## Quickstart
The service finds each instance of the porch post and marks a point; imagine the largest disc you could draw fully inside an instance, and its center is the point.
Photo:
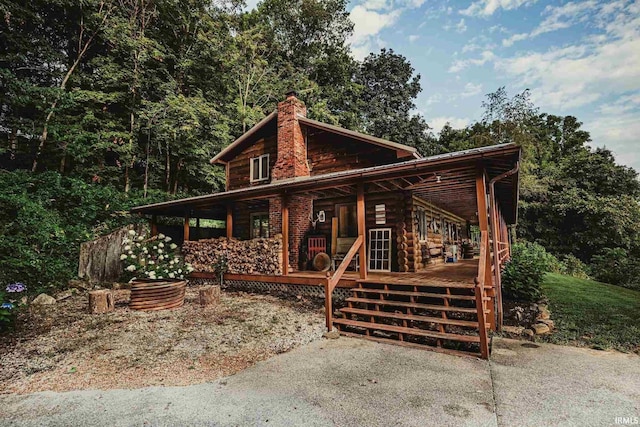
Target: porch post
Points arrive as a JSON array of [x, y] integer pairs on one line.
[[154, 225], [229, 221], [285, 236], [186, 228], [360, 210], [483, 222]]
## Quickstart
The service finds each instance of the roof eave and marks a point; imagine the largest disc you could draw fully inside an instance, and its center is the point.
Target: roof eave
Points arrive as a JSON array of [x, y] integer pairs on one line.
[[219, 158]]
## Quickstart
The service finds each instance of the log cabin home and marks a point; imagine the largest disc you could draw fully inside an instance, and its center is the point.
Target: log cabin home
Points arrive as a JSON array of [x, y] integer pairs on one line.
[[404, 248]]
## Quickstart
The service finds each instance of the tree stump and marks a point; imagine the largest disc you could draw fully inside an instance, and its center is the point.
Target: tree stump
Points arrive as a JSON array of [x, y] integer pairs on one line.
[[209, 295], [101, 301]]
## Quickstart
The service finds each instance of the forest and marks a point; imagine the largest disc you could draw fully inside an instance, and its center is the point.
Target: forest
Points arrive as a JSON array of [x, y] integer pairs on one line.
[[107, 104]]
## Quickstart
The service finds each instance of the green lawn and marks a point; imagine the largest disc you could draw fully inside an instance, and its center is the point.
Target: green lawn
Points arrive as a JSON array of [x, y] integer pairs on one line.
[[594, 314]]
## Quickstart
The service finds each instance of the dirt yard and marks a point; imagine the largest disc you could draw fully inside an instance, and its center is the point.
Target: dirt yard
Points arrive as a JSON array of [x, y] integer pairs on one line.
[[69, 349]]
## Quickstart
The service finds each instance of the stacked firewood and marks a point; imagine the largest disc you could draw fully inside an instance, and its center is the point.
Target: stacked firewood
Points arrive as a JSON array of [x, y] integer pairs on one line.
[[257, 256]]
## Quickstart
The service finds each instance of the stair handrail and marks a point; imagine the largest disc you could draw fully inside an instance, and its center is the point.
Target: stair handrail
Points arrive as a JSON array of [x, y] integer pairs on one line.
[[480, 294], [332, 281]]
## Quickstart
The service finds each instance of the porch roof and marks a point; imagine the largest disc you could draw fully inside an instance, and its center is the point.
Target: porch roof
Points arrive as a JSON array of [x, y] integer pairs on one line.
[[448, 180]]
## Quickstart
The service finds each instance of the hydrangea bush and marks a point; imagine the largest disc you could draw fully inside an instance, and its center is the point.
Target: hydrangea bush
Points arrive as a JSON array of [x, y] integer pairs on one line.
[[155, 257], [9, 303]]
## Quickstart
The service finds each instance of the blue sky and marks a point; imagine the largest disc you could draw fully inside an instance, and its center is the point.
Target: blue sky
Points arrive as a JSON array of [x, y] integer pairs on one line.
[[578, 58]]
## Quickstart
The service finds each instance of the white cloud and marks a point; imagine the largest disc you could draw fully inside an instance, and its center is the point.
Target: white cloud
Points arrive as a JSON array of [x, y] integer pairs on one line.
[[617, 128], [557, 18], [413, 37], [590, 70], [470, 90], [371, 17], [437, 123], [461, 64], [489, 7], [461, 27]]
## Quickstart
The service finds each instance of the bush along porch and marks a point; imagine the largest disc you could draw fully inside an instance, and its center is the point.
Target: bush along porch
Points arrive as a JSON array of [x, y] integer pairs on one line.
[[403, 248]]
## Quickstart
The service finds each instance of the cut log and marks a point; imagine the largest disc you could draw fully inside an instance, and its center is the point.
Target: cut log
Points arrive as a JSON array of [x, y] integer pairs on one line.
[[209, 295], [101, 301]]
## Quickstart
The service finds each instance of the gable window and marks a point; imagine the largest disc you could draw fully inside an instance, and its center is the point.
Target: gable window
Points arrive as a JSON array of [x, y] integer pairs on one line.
[[259, 168], [259, 225]]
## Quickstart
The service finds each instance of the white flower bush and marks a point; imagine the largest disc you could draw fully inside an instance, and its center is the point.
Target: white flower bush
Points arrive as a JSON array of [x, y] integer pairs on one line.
[[152, 257]]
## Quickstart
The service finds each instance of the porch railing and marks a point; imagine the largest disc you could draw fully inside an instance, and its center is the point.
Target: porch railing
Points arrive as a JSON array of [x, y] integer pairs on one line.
[[481, 300], [332, 281]]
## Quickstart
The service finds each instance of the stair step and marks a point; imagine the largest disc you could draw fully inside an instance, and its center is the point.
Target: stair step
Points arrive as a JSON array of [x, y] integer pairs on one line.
[[412, 317], [414, 294], [408, 331], [412, 305], [412, 345], [420, 283]]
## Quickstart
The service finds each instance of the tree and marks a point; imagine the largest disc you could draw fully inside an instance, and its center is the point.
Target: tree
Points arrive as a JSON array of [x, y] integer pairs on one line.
[[389, 88]]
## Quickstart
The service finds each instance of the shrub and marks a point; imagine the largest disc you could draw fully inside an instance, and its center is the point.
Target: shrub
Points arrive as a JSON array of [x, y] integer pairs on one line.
[[9, 303], [617, 267], [572, 266], [522, 275], [44, 217], [152, 258]]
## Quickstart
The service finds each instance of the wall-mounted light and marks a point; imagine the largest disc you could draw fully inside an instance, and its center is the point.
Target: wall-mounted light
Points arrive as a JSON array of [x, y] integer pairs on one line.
[[438, 178]]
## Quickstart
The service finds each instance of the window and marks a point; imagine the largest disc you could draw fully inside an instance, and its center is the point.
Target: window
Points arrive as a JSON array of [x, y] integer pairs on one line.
[[381, 215], [380, 249], [259, 168], [259, 225], [347, 220]]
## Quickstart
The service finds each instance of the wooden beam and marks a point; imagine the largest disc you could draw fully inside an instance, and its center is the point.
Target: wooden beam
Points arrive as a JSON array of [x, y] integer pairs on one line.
[[154, 225], [362, 231], [229, 221], [186, 228], [483, 222], [285, 236]]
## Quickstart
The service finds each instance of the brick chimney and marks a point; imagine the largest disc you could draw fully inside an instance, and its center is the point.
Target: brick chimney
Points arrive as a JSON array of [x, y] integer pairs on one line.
[[292, 150]]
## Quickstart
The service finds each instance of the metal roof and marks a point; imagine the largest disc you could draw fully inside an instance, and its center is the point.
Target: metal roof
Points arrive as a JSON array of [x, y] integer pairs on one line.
[[411, 174]]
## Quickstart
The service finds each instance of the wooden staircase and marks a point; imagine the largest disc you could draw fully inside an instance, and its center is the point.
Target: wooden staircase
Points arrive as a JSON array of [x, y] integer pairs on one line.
[[437, 316]]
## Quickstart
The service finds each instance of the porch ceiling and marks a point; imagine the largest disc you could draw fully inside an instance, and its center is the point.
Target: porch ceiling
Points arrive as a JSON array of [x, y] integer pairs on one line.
[[455, 192]]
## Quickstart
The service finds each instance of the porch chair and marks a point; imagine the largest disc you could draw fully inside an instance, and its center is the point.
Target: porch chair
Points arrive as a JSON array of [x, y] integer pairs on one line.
[[343, 244]]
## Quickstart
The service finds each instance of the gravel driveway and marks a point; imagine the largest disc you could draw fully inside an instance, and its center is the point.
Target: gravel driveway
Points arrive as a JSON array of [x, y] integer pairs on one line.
[[350, 382]]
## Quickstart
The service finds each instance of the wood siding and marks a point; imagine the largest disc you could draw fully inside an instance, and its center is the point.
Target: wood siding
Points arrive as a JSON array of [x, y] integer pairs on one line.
[[329, 153], [239, 168]]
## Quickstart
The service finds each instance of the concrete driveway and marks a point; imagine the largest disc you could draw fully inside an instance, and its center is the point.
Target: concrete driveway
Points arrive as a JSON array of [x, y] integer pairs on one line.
[[351, 382]]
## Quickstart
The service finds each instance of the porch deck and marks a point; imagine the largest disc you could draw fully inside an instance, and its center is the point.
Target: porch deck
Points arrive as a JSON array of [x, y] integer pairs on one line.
[[463, 272]]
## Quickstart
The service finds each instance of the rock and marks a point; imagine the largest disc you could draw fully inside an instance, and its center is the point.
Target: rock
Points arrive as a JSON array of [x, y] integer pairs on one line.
[[117, 286], [541, 329], [43, 299], [544, 314], [513, 330], [331, 335], [529, 333], [548, 322]]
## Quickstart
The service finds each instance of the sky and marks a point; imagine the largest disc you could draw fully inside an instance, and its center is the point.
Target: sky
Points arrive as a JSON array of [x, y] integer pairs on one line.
[[579, 58]]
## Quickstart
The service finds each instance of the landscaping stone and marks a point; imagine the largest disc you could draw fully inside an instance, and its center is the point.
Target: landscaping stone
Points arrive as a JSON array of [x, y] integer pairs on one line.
[[548, 322], [43, 300], [529, 333], [541, 329], [513, 330], [331, 335], [544, 314]]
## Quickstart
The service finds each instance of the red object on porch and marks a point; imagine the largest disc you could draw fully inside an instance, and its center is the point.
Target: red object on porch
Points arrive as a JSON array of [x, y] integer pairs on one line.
[[316, 244]]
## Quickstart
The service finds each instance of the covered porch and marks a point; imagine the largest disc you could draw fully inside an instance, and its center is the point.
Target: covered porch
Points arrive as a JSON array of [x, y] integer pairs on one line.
[[477, 186]]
